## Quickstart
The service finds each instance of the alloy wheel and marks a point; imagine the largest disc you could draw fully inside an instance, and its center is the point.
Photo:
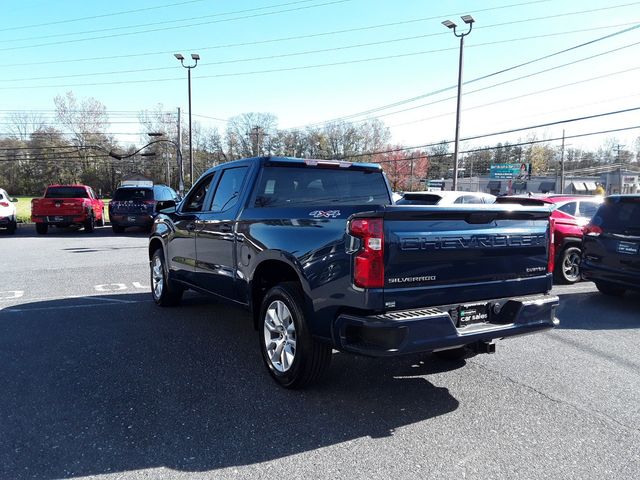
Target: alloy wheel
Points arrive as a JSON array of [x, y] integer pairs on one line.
[[280, 336], [157, 277]]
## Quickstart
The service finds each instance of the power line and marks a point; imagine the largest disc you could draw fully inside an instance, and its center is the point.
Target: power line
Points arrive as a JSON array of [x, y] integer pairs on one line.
[[274, 40], [442, 90], [152, 30], [93, 17]]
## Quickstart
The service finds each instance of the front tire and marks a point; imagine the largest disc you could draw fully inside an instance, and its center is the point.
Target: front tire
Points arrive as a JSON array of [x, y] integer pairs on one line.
[[163, 290], [42, 228], [610, 289], [117, 228], [90, 224], [292, 356], [568, 267]]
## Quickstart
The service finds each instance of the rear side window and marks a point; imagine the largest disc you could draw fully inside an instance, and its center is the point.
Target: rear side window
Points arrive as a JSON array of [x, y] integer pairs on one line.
[[473, 199], [132, 194], [568, 208], [587, 209], [228, 191], [66, 192], [293, 186], [619, 215]]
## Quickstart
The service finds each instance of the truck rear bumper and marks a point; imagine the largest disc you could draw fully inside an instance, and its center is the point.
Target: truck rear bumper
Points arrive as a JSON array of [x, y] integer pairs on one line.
[[438, 328]]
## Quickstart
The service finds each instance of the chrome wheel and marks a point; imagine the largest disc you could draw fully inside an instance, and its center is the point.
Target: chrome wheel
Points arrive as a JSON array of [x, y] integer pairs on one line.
[[571, 265], [157, 277], [279, 336]]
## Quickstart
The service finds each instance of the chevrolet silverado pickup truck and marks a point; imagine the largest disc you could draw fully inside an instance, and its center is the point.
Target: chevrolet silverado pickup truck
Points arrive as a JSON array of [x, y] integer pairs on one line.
[[322, 258], [67, 205]]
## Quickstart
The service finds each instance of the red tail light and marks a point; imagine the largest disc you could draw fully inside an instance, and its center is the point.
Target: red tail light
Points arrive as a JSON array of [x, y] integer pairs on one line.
[[552, 246], [4, 204], [368, 269], [591, 230]]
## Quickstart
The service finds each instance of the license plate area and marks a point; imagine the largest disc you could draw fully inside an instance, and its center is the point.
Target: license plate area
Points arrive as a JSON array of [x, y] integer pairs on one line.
[[472, 314], [131, 219], [57, 218], [629, 248]]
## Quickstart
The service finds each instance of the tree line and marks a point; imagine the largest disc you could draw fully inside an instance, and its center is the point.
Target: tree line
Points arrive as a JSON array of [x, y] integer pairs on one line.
[[75, 148]]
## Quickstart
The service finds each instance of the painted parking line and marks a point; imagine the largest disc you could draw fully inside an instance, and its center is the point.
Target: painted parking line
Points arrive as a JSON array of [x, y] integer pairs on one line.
[[118, 287]]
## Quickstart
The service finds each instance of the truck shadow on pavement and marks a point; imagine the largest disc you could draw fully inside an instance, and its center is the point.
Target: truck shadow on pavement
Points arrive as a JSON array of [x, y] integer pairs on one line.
[[598, 311], [29, 230], [98, 385]]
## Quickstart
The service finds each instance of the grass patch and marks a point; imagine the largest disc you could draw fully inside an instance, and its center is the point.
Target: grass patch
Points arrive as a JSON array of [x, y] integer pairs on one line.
[[23, 209]]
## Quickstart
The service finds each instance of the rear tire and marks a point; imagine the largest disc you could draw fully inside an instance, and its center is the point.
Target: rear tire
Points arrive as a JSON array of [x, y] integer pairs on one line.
[[11, 229], [610, 289], [567, 268], [90, 224], [292, 356], [42, 228], [164, 291], [117, 228]]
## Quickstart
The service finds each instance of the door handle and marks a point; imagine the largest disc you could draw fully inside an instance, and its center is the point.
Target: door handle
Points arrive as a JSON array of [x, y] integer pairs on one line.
[[191, 226]]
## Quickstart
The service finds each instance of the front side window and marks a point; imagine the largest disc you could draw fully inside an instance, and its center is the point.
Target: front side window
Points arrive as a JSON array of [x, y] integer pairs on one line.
[[228, 191], [195, 199]]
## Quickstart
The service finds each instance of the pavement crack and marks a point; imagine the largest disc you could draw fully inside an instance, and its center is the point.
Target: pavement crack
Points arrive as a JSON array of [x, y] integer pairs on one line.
[[560, 401]]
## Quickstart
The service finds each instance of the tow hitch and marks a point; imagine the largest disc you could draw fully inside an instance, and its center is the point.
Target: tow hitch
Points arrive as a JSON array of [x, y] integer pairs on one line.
[[483, 347]]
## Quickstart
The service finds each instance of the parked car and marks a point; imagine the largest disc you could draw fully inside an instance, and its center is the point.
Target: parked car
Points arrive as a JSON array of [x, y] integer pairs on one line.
[[8, 219], [320, 256], [445, 197], [570, 214], [135, 206], [611, 246], [67, 205]]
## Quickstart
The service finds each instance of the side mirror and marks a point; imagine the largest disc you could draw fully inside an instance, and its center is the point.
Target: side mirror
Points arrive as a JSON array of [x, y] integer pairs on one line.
[[14, 200], [166, 206]]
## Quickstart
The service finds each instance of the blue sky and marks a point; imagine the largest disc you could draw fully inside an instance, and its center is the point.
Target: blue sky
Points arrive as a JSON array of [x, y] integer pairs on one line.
[[375, 53]]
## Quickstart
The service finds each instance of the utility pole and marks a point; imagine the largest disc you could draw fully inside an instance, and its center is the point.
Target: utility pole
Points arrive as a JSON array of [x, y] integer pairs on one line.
[[256, 134], [562, 165]]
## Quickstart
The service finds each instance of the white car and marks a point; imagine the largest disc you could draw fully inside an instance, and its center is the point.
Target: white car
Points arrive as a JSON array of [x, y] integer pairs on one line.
[[7, 212], [445, 197]]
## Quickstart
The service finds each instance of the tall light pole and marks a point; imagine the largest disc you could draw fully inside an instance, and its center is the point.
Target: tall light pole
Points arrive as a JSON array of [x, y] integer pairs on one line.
[[195, 57], [468, 19]]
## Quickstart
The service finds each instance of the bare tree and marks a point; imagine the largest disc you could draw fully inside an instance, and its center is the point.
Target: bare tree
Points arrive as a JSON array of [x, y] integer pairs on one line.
[[23, 124]]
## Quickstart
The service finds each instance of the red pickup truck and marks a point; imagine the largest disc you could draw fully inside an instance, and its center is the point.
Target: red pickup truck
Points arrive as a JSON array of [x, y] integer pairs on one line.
[[66, 205]]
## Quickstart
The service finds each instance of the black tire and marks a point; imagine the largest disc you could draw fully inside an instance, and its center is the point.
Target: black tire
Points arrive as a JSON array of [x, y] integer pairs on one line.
[[611, 290], [117, 228], [11, 229], [567, 268], [42, 228], [90, 224], [310, 358], [452, 355], [169, 294]]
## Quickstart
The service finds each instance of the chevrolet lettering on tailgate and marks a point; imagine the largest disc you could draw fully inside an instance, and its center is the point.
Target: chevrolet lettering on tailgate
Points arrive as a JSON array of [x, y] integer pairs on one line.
[[461, 242]]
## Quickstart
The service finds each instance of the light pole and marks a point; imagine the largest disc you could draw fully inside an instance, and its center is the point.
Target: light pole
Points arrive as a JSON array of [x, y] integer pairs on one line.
[[195, 57], [468, 19]]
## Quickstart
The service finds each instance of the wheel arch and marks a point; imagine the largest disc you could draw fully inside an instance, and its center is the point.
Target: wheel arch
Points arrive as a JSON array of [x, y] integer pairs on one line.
[[269, 273]]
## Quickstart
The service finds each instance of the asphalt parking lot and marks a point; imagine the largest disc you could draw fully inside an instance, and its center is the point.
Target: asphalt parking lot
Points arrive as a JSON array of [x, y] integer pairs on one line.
[[95, 380]]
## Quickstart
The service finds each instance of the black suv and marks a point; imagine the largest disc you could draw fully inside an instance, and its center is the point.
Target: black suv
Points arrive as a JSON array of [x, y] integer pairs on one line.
[[135, 206], [611, 245]]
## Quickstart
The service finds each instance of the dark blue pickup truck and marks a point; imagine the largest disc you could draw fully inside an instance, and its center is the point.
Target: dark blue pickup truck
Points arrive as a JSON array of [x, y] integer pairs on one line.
[[323, 259]]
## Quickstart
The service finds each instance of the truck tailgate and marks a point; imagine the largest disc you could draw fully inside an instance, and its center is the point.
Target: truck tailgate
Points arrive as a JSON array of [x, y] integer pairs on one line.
[[445, 255], [58, 206]]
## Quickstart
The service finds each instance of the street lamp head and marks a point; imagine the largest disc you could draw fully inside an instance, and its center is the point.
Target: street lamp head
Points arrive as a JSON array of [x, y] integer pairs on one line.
[[155, 134], [468, 19], [195, 56], [449, 24], [178, 56], [148, 154]]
